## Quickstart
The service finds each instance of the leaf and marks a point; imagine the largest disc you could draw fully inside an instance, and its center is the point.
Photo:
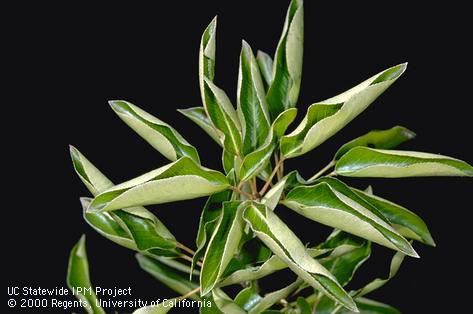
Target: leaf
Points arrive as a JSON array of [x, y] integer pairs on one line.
[[256, 161], [367, 306], [384, 139], [164, 138], [348, 254], [252, 108], [325, 118], [270, 266], [161, 308], [285, 244], [403, 220], [379, 282], [265, 64], [216, 103], [331, 207], [368, 162], [208, 220], [167, 275], [303, 306], [228, 161], [180, 180], [199, 117], [207, 56], [78, 277], [248, 298], [223, 116], [273, 297], [146, 234], [222, 245], [224, 303], [287, 69], [103, 222]]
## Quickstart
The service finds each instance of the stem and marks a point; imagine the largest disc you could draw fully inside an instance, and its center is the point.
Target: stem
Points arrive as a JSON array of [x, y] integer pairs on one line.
[[236, 189], [188, 294], [254, 189], [268, 182], [322, 171], [185, 248]]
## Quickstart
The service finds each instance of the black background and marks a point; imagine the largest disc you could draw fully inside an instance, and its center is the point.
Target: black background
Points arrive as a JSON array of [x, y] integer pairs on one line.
[[64, 62]]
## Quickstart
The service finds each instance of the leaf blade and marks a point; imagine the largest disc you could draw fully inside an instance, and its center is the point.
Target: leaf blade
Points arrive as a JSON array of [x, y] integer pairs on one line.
[[78, 276], [157, 133], [329, 206], [285, 244], [287, 69], [326, 118], [383, 139], [251, 107], [368, 162], [222, 245], [180, 180]]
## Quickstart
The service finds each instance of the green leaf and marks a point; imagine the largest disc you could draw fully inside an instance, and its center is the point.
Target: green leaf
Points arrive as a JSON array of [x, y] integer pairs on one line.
[[220, 303], [207, 56], [256, 161], [379, 282], [303, 306], [333, 207], [161, 308], [146, 234], [348, 254], [180, 180], [228, 161], [367, 306], [285, 244], [167, 275], [222, 245], [270, 266], [265, 63], [216, 103], [164, 138], [199, 117], [104, 223], [383, 139], [223, 116], [287, 70], [78, 277], [208, 220], [325, 118], [368, 162], [272, 197], [107, 226], [273, 297], [93, 179], [248, 298], [252, 108], [403, 220]]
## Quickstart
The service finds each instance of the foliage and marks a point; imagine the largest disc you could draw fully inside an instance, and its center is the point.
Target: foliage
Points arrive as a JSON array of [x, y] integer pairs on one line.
[[241, 238]]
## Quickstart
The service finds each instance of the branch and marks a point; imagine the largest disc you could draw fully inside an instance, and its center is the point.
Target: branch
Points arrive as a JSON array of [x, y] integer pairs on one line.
[[268, 182], [322, 171]]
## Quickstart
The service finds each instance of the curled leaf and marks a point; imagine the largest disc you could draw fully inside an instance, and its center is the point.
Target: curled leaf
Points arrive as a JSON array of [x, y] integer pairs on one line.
[[368, 162], [326, 205], [325, 118], [157, 133], [180, 180], [287, 69], [285, 244], [383, 139], [78, 277]]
